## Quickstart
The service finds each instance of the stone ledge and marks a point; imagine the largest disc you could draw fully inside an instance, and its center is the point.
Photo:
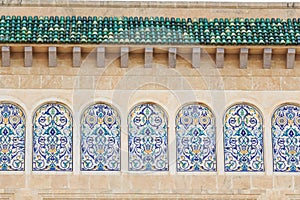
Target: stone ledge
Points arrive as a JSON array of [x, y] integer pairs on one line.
[[102, 196], [151, 4], [123, 52]]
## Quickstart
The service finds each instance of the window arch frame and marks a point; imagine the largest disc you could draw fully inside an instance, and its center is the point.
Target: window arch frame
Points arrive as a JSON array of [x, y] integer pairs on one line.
[[21, 108], [166, 130], [262, 138], [68, 108], [295, 104], [87, 107], [215, 133]]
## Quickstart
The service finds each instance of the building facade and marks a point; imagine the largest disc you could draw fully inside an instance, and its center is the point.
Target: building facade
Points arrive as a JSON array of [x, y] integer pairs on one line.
[[197, 118]]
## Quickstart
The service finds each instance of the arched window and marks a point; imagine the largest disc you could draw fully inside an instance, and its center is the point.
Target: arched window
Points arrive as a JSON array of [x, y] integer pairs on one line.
[[100, 138], [148, 138], [12, 137], [243, 139], [196, 139], [52, 138], [286, 139]]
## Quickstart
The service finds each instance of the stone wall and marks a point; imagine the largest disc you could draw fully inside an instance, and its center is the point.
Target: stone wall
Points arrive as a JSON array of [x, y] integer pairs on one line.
[[171, 88]]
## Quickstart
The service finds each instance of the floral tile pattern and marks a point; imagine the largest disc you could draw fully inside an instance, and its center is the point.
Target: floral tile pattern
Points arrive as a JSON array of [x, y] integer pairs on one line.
[[196, 139], [286, 139], [243, 139], [148, 138], [100, 138], [52, 138], [12, 137]]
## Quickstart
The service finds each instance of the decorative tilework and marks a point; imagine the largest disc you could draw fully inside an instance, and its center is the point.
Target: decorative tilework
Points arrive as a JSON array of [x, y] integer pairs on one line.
[[148, 138], [195, 137], [286, 139], [12, 137], [52, 138], [243, 139], [100, 139]]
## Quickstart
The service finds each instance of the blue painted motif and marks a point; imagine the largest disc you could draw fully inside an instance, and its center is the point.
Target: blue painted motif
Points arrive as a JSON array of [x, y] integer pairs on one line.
[[243, 139], [12, 137], [148, 138], [100, 139], [52, 138], [195, 137], [286, 139]]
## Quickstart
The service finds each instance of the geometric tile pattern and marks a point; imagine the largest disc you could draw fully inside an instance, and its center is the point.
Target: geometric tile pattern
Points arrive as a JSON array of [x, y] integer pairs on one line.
[[52, 138], [243, 139], [286, 139], [196, 139], [148, 138], [100, 138], [12, 137]]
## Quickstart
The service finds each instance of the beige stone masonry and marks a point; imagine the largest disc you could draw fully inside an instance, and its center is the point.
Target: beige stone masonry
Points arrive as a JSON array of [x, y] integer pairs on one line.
[[5, 56], [40, 73], [101, 57], [196, 57], [124, 57], [52, 56], [76, 56], [220, 57], [290, 58], [28, 56], [172, 57], [243, 58], [148, 57], [267, 58]]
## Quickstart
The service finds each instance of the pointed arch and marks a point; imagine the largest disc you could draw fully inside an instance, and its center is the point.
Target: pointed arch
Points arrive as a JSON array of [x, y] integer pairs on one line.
[[100, 130], [243, 139], [52, 138], [195, 138], [12, 137], [148, 138], [285, 130]]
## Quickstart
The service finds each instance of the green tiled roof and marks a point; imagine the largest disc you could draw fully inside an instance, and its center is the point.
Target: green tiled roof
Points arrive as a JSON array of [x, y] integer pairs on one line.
[[149, 30]]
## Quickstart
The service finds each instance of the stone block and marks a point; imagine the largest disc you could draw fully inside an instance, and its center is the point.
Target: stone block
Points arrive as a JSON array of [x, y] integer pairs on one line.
[[267, 58], [241, 182], [172, 57], [28, 56], [243, 58], [220, 57], [262, 182], [5, 56], [79, 182], [124, 57], [196, 57], [283, 182], [101, 57], [148, 57], [52, 56], [290, 58], [59, 182], [76, 56]]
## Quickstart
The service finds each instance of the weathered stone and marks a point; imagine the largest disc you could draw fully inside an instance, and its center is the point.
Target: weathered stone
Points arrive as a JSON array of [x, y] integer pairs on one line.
[[124, 57], [243, 58], [267, 58], [290, 58], [28, 56], [76, 56], [196, 57], [148, 57], [101, 57], [5, 56], [220, 57], [172, 57], [52, 56]]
